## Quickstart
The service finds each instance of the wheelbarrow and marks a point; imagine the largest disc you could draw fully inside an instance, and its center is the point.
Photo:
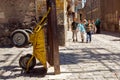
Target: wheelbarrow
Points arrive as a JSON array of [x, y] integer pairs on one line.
[[37, 38]]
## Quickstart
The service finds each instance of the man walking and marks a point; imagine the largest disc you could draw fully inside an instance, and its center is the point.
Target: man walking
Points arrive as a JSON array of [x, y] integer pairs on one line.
[[74, 30], [97, 24]]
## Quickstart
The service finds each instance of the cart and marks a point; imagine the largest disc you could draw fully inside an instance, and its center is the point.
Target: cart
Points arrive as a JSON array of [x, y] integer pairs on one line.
[[37, 38]]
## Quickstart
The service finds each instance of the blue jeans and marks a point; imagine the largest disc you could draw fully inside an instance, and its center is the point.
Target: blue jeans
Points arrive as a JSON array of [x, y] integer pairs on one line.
[[89, 38]]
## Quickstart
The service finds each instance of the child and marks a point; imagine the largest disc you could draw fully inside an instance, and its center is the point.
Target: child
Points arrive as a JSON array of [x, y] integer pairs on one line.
[[82, 31], [89, 31]]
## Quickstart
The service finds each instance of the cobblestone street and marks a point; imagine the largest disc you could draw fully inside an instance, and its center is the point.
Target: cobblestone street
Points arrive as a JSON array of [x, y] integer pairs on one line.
[[98, 60]]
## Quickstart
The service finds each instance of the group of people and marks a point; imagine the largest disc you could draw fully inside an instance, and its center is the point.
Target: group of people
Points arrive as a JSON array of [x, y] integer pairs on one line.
[[86, 28]]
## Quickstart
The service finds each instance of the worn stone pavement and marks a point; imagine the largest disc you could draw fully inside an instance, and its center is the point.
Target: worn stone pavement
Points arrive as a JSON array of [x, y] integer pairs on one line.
[[98, 60]]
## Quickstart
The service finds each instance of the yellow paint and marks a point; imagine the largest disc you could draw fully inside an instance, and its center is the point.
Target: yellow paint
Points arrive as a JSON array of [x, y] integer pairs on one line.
[[38, 41]]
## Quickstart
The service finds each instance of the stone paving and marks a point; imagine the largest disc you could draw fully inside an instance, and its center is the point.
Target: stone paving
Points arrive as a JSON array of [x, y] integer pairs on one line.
[[98, 60]]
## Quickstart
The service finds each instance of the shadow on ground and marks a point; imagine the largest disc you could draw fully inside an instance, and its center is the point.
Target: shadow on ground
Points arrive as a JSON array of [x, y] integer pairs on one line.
[[116, 40], [91, 54], [111, 33], [85, 55], [18, 72]]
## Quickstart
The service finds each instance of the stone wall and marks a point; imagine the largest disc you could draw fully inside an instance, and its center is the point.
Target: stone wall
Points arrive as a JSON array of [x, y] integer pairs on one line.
[[111, 15], [60, 21], [106, 10], [92, 9], [41, 4], [12, 14]]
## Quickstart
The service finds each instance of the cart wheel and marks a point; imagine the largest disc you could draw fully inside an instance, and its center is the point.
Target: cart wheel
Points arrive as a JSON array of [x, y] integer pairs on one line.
[[29, 31], [23, 62], [20, 38]]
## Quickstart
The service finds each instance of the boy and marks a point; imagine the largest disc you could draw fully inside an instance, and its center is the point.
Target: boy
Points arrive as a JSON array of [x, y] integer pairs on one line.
[[82, 31]]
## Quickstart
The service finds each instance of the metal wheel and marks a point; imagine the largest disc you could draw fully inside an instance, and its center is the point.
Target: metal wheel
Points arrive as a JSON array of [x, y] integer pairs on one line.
[[24, 60], [29, 31], [20, 38]]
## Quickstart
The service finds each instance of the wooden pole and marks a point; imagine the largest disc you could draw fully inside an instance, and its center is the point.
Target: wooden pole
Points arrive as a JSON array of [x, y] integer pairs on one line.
[[36, 9], [53, 36]]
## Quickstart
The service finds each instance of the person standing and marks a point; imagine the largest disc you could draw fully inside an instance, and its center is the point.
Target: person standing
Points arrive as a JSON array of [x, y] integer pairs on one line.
[[82, 30], [94, 29], [74, 30], [88, 30], [97, 24]]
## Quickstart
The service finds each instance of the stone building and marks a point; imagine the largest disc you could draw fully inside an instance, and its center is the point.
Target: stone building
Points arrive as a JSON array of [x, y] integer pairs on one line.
[[13, 13], [92, 9], [106, 10]]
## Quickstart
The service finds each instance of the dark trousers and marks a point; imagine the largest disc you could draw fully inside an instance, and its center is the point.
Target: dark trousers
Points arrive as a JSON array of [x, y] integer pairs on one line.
[[89, 36], [98, 29]]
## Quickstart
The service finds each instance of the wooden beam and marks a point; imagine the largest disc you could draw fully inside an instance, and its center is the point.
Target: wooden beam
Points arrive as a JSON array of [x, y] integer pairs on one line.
[[53, 35]]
